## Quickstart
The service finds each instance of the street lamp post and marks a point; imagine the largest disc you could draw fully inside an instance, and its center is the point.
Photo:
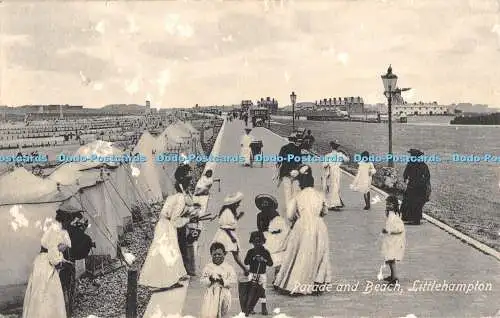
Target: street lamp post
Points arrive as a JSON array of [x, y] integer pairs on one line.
[[390, 81], [293, 99]]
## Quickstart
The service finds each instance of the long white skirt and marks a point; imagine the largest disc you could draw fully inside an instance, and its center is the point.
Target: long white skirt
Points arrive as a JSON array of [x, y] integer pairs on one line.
[[333, 191], [246, 152], [216, 302], [306, 259], [44, 295], [275, 243], [163, 266]]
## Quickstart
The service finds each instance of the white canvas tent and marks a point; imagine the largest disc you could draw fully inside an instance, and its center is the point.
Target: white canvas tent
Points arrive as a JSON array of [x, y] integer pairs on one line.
[[146, 173], [27, 207]]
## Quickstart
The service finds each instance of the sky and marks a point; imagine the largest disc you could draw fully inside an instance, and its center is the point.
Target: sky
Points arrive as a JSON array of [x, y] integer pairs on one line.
[[182, 53]]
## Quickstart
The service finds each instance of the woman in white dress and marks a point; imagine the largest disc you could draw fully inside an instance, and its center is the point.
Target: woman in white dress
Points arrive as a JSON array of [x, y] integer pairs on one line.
[[331, 177], [246, 151], [306, 260], [273, 226], [44, 295], [363, 180], [228, 224], [164, 267]]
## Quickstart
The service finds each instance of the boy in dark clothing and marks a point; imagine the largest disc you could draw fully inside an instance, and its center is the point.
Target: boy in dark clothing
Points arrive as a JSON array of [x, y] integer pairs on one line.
[[258, 258]]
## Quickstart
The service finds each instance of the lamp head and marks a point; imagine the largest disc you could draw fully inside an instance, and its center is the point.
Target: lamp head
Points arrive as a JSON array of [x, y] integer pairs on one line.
[[390, 80], [293, 97]]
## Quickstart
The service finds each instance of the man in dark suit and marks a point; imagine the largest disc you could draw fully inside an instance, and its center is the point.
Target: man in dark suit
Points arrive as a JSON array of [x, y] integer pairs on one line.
[[290, 154], [183, 174]]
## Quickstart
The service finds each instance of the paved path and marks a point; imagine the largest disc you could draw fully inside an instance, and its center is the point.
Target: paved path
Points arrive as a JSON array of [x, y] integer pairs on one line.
[[431, 254]]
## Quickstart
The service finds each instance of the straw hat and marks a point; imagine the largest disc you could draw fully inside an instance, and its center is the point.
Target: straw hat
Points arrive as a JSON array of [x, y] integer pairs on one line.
[[265, 200], [234, 198]]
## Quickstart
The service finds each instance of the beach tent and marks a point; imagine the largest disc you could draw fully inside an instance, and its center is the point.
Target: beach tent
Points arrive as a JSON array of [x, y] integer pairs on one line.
[[127, 186], [177, 138], [94, 198], [27, 207], [146, 173]]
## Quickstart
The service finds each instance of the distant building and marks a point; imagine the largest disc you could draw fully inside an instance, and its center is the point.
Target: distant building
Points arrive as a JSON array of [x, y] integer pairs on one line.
[[420, 108], [246, 105], [470, 108], [48, 108], [402, 108], [352, 105], [271, 104]]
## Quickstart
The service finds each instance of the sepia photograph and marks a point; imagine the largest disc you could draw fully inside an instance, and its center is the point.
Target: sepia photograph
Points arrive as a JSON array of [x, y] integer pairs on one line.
[[250, 158]]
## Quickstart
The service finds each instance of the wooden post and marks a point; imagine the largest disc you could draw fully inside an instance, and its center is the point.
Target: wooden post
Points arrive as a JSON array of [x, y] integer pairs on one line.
[[132, 294]]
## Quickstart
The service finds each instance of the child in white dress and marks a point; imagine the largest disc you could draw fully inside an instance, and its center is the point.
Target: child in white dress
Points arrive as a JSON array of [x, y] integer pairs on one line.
[[218, 276], [394, 241], [363, 180]]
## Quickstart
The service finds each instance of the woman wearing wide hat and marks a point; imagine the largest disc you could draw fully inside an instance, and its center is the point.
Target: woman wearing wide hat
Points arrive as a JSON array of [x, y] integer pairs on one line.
[[228, 223], [418, 188], [272, 225]]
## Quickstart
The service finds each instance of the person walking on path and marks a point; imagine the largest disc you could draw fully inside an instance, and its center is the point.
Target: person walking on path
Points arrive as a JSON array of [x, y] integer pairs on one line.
[[331, 177], [218, 276], [246, 151], [228, 223], [306, 261], [44, 295], [272, 225], [394, 241], [164, 266], [418, 189], [291, 156], [363, 180], [308, 141]]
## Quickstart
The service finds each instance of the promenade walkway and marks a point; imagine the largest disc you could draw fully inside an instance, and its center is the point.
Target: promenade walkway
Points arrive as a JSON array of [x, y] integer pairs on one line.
[[431, 254]]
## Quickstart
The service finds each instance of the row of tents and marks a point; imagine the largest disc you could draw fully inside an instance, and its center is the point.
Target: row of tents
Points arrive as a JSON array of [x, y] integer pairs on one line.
[[107, 193]]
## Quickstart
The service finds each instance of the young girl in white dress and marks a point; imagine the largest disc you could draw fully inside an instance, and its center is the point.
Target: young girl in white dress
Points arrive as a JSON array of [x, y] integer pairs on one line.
[[394, 241], [218, 276], [363, 179], [228, 224]]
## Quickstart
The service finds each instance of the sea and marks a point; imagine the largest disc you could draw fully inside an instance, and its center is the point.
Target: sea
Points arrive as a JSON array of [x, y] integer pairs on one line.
[[465, 195]]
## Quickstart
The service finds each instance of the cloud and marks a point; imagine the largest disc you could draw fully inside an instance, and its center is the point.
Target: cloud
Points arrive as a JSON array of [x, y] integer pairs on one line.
[[204, 46], [35, 58]]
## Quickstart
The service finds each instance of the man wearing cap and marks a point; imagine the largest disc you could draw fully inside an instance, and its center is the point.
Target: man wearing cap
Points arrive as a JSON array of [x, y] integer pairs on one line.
[[183, 174], [418, 188], [331, 176], [291, 160], [246, 151]]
